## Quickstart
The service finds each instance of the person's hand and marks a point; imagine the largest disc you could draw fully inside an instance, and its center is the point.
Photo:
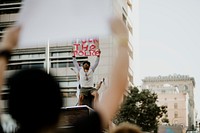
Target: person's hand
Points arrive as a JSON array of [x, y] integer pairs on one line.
[[8, 123], [10, 38], [96, 42], [99, 52]]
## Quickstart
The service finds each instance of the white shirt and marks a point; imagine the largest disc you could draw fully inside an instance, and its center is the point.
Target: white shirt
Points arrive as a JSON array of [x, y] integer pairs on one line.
[[86, 78]]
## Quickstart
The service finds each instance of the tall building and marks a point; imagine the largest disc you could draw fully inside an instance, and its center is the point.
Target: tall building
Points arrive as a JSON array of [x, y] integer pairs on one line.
[[57, 58], [177, 93]]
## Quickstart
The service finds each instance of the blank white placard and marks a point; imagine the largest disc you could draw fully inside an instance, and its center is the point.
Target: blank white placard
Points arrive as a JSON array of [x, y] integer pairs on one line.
[[63, 20]]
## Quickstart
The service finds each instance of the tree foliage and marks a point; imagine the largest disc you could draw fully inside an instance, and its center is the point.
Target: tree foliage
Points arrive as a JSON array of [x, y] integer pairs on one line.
[[140, 108]]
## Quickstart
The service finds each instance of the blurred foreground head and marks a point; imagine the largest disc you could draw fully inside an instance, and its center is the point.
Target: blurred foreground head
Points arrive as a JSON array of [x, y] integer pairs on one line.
[[34, 100], [126, 128]]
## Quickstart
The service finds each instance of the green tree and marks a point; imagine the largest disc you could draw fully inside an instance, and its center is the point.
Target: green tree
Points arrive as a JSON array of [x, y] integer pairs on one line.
[[140, 108]]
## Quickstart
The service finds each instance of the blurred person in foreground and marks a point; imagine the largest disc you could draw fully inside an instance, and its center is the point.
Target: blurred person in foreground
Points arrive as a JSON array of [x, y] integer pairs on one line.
[[29, 108], [126, 127], [107, 107], [34, 99]]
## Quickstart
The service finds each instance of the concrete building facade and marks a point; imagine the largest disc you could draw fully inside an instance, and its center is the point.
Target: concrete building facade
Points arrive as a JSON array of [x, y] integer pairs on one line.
[[57, 59], [177, 93]]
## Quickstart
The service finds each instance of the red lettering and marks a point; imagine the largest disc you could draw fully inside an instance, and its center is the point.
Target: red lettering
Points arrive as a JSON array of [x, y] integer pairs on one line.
[[81, 53], [92, 47], [84, 47], [83, 41], [97, 53], [87, 53], [90, 40], [75, 53], [76, 46], [92, 53]]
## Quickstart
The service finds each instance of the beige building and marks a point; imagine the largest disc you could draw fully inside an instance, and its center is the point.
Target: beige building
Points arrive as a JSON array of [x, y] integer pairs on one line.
[[57, 58], [177, 106], [177, 93]]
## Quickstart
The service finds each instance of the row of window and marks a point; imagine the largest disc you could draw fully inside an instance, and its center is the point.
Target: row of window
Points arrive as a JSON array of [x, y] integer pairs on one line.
[[22, 61], [41, 65], [41, 55], [69, 94], [175, 114], [170, 98], [175, 105], [25, 66]]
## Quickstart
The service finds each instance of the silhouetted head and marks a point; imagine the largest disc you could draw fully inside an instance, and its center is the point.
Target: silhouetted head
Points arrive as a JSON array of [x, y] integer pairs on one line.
[[34, 99], [86, 65]]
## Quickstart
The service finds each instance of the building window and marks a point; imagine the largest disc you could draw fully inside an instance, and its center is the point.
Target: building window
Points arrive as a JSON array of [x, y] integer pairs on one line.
[[15, 57], [163, 91], [35, 55], [175, 105], [22, 66], [54, 65], [41, 55], [13, 67], [69, 94], [35, 65], [124, 18], [64, 53], [70, 64], [68, 84], [54, 54], [24, 56], [176, 114], [62, 64]]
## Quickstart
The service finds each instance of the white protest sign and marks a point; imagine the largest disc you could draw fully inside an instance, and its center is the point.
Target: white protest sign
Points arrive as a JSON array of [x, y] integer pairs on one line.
[[89, 47], [63, 20]]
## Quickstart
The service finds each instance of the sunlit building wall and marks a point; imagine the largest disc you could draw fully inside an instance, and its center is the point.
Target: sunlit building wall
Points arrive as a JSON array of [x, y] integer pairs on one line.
[[177, 92]]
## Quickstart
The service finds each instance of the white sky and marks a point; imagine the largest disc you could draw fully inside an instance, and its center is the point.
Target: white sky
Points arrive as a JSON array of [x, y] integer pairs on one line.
[[169, 39]]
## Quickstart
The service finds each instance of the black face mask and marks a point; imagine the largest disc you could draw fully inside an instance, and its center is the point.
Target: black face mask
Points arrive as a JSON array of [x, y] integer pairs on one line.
[[86, 67]]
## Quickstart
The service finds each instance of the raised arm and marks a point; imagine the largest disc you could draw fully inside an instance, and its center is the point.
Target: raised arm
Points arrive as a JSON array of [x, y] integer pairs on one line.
[[112, 97], [95, 63], [76, 63], [9, 41], [93, 67]]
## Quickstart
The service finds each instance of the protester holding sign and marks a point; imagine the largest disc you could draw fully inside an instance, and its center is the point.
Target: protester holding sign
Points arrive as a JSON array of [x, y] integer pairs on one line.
[[85, 75]]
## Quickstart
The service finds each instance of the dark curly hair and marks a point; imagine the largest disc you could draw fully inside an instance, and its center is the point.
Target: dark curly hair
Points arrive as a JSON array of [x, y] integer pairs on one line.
[[86, 62], [34, 99]]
